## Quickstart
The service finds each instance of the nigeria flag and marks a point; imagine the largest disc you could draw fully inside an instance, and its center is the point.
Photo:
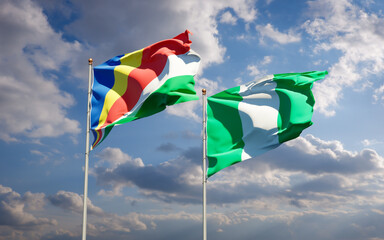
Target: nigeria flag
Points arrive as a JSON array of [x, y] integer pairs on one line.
[[248, 120]]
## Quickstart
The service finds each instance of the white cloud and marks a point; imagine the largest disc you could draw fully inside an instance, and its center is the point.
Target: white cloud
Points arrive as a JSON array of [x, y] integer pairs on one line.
[[253, 70], [173, 176], [266, 60], [13, 209], [200, 17], [268, 31], [33, 103], [228, 18], [329, 157], [104, 222], [210, 85], [115, 157], [73, 202], [358, 35], [34, 201], [313, 170], [186, 110]]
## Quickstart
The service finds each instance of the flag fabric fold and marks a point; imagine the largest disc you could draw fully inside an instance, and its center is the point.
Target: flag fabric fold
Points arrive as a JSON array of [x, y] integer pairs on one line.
[[142, 83], [246, 121]]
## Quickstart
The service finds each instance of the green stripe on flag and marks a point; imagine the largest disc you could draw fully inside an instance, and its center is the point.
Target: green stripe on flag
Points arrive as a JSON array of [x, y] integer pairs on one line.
[[175, 90], [225, 133], [296, 102]]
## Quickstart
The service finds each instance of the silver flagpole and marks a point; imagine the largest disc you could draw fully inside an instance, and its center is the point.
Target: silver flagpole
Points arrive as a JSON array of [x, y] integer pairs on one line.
[[204, 164], [90, 62]]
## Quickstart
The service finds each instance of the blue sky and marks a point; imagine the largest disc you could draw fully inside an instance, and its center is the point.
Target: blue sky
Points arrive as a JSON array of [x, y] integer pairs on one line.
[[145, 178]]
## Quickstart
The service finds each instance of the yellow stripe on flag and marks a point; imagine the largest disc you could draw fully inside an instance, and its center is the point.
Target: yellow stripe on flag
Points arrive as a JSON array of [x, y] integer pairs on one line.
[[129, 62]]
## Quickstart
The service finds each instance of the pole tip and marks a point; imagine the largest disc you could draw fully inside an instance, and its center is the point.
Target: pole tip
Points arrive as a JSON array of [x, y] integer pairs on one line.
[[90, 61], [204, 91]]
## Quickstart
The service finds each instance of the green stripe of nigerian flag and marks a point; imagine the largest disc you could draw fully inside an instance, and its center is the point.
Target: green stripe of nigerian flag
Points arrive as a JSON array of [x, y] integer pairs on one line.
[[248, 120]]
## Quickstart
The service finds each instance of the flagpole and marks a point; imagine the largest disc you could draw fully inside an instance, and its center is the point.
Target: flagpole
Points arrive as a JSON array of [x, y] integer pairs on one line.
[[84, 234], [204, 92]]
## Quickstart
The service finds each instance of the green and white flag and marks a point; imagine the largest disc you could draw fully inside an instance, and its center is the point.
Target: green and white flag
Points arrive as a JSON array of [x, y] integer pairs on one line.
[[246, 121]]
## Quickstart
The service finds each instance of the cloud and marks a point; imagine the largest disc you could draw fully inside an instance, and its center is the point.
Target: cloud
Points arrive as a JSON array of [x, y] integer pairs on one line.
[[267, 60], [254, 71], [267, 190], [198, 16], [316, 179], [73, 202], [109, 224], [30, 51], [13, 210], [159, 182], [268, 31], [228, 18], [104, 222], [304, 172], [357, 35], [317, 156], [310, 168], [168, 147], [186, 110]]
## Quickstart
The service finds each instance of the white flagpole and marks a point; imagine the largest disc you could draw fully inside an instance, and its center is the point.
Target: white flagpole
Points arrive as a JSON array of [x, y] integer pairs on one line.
[[204, 164], [84, 234]]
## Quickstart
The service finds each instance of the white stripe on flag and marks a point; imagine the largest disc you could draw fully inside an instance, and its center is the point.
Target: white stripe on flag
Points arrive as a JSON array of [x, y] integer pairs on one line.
[[177, 65], [259, 106]]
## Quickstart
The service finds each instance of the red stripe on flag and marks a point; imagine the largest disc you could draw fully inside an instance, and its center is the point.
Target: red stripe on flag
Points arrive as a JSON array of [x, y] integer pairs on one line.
[[153, 62]]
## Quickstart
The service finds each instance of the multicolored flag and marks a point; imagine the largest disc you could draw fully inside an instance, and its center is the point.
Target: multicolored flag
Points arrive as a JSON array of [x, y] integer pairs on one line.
[[142, 83], [246, 121]]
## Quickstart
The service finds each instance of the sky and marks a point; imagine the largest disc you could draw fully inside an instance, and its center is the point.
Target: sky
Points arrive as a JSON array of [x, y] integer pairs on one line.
[[145, 178]]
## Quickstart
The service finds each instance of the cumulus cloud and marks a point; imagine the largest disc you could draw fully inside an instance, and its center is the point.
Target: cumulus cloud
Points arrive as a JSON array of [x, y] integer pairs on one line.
[[319, 179], [198, 16], [307, 173], [301, 171], [358, 35], [159, 182], [34, 104], [14, 209], [304, 178], [104, 222], [317, 156], [73, 202]]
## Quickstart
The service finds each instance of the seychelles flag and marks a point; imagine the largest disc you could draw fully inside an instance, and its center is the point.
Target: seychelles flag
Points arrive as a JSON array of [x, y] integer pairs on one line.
[[142, 83]]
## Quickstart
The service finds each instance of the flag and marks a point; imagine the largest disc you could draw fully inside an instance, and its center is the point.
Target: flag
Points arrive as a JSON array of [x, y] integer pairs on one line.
[[248, 120], [142, 83]]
